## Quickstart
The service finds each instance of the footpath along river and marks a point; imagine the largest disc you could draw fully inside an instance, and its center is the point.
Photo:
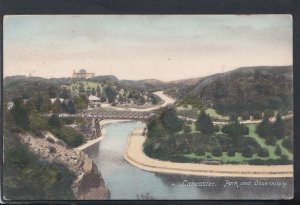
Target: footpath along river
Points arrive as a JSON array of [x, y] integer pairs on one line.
[[128, 182]]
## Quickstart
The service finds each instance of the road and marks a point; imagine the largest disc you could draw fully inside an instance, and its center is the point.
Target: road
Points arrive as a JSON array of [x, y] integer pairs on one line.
[[166, 100]]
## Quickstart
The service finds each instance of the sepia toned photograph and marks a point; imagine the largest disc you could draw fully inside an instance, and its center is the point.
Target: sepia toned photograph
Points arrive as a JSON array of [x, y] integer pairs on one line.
[[148, 107]]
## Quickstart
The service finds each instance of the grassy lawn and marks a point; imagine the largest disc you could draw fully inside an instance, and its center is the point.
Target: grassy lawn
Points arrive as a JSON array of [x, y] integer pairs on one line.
[[214, 114], [238, 158], [270, 148]]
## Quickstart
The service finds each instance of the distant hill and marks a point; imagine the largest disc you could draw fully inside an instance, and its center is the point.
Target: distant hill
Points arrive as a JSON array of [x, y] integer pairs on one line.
[[244, 89]]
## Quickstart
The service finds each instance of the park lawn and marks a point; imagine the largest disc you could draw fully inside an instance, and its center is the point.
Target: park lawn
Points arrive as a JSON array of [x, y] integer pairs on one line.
[[212, 112], [270, 148]]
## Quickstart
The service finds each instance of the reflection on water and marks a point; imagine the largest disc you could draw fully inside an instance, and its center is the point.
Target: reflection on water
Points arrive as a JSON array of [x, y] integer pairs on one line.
[[128, 182]]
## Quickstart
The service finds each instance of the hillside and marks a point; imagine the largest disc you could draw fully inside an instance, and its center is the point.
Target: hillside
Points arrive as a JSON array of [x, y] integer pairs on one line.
[[244, 89]]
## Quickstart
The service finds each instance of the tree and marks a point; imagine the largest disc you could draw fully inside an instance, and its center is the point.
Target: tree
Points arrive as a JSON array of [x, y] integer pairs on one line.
[[170, 120], [38, 102], [98, 90], [52, 93], [278, 127], [245, 116], [155, 129], [20, 114], [110, 94], [80, 102], [55, 121], [278, 150], [187, 129], [37, 121], [216, 151], [264, 129], [268, 113], [204, 123], [93, 91], [257, 116], [46, 105], [56, 106], [65, 93]]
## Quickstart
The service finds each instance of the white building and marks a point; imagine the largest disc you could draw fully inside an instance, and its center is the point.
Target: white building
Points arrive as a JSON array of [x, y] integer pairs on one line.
[[94, 101]]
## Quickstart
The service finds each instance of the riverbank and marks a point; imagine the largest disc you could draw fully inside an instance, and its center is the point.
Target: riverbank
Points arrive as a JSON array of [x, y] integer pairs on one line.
[[94, 141], [88, 183], [134, 155]]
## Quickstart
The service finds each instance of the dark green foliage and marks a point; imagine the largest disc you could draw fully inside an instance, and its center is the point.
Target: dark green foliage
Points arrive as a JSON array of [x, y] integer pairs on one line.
[[155, 129], [65, 93], [52, 93], [263, 152], [278, 127], [55, 122], [247, 152], [233, 118], [170, 120], [68, 107], [81, 102], [204, 124], [216, 151], [27, 178], [281, 161], [20, 115], [246, 89], [245, 116], [200, 151], [278, 150], [70, 136], [235, 129], [231, 152], [268, 113], [217, 128], [271, 140], [187, 129], [249, 142], [264, 129], [110, 94], [288, 143], [257, 115]]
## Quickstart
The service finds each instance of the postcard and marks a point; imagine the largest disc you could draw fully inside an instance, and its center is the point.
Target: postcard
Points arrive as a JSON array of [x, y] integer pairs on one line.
[[147, 107]]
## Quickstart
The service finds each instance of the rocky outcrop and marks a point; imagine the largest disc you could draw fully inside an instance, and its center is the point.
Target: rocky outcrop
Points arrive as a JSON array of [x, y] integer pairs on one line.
[[89, 184]]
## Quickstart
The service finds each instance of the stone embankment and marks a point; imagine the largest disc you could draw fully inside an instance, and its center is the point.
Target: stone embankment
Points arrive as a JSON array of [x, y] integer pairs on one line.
[[89, 184]]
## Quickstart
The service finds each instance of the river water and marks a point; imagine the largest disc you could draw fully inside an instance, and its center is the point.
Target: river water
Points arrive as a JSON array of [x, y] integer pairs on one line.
[[128, 182]]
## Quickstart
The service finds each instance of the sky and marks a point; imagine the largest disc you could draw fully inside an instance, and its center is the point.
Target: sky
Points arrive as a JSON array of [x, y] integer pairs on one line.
[[133, 47]]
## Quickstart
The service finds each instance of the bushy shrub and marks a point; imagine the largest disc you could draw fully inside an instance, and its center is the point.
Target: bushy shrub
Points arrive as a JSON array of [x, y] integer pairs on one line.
[[231, 152], [52, 149], [257, 116], [271, 140], [263, 152], [187, 129], [278, 150], [247, 152], [70, 136], [288, 143], [245, 116], [216, 151], [200, 151], [217, 128], [50, 140]]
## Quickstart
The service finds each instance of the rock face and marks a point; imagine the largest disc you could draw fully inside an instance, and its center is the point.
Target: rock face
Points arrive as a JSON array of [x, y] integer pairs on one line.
[[89, 184]]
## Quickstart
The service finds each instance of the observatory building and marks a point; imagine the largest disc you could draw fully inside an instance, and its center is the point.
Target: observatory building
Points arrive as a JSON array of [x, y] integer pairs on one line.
[[82, 74]]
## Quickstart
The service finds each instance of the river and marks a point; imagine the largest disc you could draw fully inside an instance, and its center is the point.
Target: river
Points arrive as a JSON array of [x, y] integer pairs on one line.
[[128, 182]]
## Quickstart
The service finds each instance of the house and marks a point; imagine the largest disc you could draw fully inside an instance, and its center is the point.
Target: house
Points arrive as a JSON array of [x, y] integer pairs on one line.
[[94, 101]]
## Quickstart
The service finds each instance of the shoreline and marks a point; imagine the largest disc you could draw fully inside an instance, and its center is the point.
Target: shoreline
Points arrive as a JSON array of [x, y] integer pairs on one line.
[[134, 155], [99, 139]]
